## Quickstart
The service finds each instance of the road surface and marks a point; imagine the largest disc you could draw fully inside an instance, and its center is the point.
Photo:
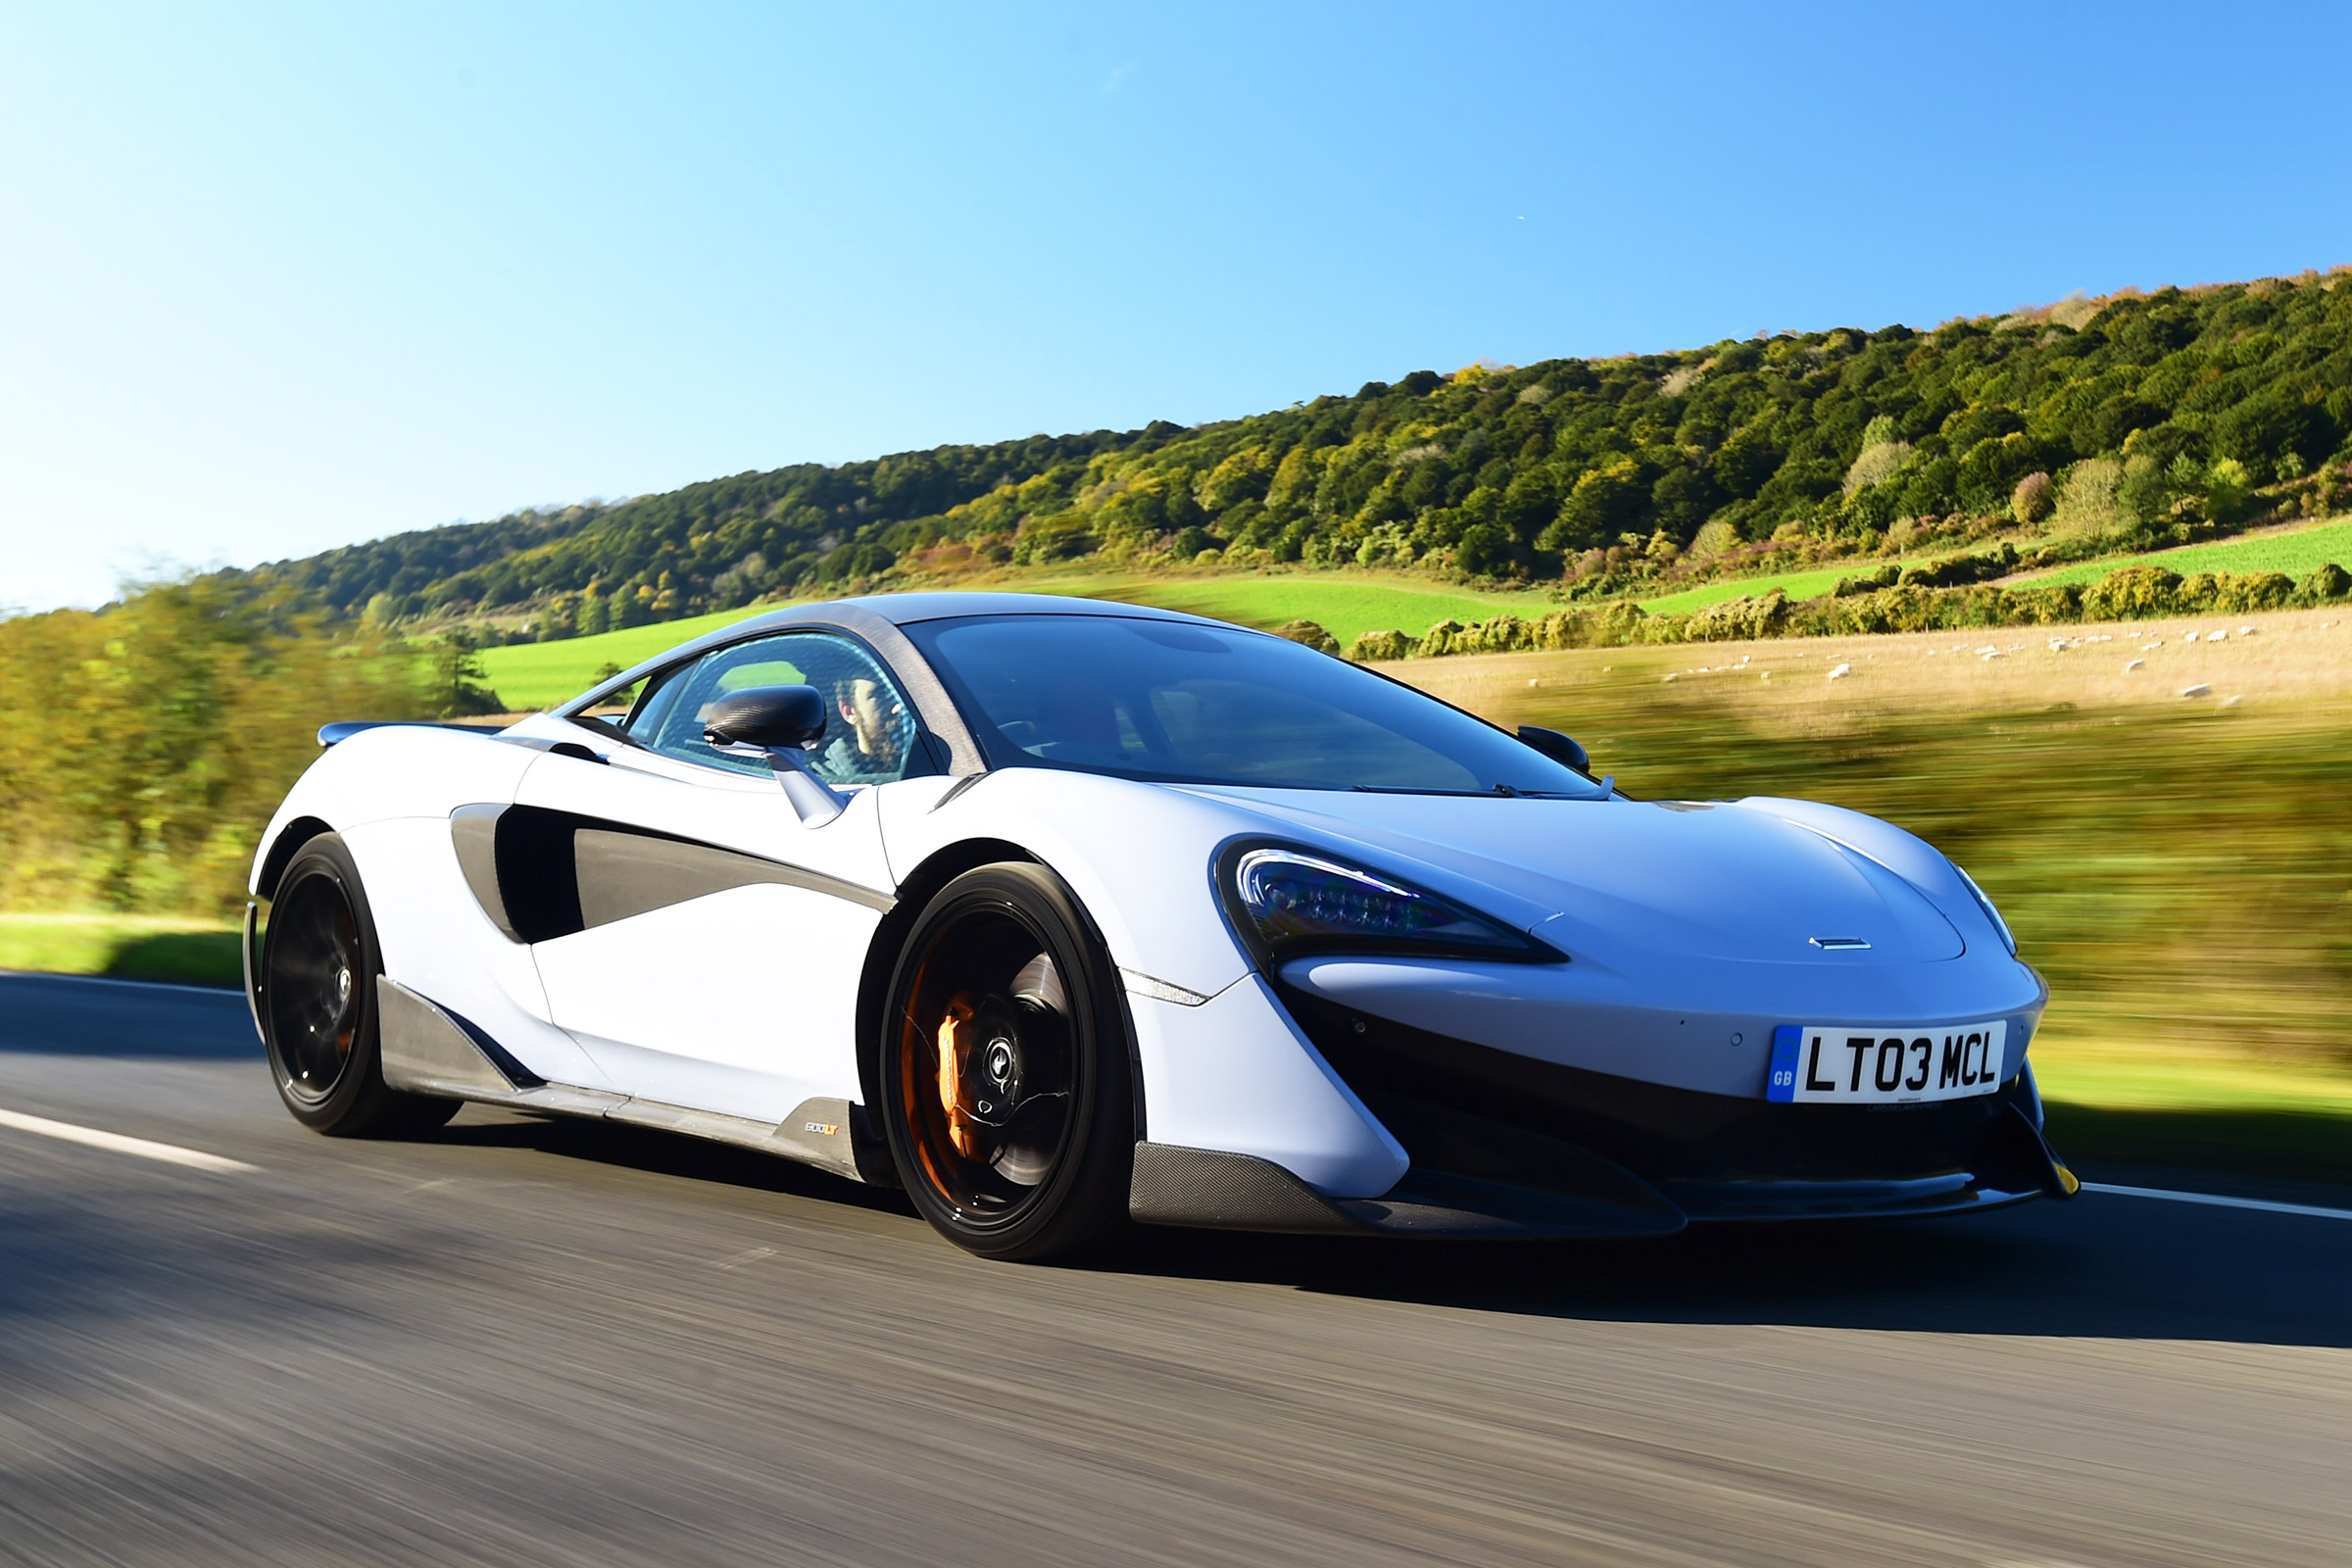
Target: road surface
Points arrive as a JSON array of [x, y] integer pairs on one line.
[[533, 1342]]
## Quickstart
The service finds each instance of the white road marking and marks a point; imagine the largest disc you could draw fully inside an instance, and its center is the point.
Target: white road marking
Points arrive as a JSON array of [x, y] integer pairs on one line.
[[115, 1143], [2216, 1201]]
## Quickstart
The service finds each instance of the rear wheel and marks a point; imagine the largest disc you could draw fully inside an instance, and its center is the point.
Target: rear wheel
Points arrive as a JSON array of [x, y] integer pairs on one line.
[[316, 1002], [1006, 1089]]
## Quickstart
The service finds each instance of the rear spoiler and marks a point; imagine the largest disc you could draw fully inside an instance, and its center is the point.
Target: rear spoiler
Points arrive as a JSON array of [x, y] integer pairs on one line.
[[345, 729]]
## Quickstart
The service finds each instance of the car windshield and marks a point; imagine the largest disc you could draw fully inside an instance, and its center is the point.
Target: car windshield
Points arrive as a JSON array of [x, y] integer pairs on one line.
[[1185, 703]]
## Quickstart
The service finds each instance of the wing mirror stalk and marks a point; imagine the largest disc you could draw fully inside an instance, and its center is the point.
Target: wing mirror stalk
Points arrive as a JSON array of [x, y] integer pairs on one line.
[[779, 724]]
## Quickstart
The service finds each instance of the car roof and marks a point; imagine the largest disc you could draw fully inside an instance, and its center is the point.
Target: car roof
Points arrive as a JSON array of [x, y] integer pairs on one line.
[[904, 610]]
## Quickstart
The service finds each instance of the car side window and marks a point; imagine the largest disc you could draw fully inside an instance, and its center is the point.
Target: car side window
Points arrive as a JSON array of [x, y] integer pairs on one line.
[[871, 732]]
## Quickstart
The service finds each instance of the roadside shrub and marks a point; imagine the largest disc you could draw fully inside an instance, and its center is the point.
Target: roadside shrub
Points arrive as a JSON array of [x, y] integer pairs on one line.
[[2328, 582], [1622, 621], [2255, 590], [150, 742], [1739, 619], [2198, 591], [1381, 647], [2132, 594], [1897, 609], [1310, 633], [2128, 593], [1441, 639], [2043, 607]]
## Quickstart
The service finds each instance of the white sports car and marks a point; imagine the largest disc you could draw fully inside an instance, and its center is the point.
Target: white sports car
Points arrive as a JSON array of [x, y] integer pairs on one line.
[[1057, 913]]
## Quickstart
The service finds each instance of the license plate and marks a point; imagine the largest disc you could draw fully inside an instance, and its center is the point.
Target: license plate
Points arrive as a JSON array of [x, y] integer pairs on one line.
[[1860, 1065]]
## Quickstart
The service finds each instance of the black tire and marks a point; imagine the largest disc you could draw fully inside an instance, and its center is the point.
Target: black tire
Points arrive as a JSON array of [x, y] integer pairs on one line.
[[1006, 1089], [314, 993]]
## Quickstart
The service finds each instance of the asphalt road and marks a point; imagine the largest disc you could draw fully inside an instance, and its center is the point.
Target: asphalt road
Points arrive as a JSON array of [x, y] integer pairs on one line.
[[535, 1342]]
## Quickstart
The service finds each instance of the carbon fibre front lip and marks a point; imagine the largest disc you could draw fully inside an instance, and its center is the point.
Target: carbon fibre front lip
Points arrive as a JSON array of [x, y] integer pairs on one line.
[[1467, 1110]]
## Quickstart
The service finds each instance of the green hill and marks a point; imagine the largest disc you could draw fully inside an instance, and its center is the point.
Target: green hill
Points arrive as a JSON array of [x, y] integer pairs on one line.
[[2152, 420]]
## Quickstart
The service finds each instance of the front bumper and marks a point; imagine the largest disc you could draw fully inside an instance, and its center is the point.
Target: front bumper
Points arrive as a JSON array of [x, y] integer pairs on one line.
[[1506, 1144]]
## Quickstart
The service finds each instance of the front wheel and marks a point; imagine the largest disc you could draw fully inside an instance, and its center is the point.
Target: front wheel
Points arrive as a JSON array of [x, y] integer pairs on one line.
[[316, 999], [1005, 1082]]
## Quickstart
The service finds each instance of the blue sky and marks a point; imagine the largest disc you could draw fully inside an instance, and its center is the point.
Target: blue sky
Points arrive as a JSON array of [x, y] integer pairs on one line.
[[275, 278]]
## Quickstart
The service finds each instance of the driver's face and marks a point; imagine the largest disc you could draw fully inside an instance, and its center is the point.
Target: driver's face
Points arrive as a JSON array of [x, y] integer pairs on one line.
[[869, 713]]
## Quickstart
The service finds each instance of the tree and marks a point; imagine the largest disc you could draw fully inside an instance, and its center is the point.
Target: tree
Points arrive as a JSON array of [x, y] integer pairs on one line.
[[1802, 436], [457, 691]]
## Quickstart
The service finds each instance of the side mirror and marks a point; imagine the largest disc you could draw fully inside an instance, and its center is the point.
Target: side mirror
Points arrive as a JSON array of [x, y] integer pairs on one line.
[[1557, 746], [771, 718], [781, 722]]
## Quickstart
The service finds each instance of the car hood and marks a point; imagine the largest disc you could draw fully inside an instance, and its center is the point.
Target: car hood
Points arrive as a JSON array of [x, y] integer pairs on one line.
[[1617, 876]]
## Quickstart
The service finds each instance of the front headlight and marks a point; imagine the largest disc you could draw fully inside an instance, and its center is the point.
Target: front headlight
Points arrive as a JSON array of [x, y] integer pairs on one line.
[[1289, 901], [1990, 914]]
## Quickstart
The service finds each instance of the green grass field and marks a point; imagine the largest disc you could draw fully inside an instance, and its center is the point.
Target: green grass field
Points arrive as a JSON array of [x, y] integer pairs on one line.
[[530, 675], [1346, 604], [1810, 584], [129, 946], [2294, 551]]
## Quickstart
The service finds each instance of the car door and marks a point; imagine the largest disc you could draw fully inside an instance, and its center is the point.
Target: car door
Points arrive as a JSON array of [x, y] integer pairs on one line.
[[714, 956]]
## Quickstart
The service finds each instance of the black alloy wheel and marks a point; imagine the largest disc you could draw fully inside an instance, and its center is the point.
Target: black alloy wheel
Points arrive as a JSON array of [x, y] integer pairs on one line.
[[316, 999], [1006, 1076]]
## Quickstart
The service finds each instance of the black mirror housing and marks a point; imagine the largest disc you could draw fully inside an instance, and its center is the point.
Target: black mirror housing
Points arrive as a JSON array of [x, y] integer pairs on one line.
[[772, 717], [1557, 746]]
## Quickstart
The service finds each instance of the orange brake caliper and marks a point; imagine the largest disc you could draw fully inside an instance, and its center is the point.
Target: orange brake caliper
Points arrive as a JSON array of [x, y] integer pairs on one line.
[[952, 1048]]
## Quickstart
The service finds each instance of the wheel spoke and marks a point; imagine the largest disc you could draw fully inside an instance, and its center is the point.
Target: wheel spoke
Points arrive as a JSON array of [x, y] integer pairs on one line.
[[314, 985], [988, 1035]]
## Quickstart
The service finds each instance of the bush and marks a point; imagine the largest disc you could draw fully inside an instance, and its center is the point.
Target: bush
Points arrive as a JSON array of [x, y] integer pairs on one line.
[[2256, 590], [2042, 607], [2328, 582], [2132, 594], [1310, 633], [2034, 499], [1739, 619], [150, 742], [2200, 590], [1381, 647], [1885, 576], [1442, 640]]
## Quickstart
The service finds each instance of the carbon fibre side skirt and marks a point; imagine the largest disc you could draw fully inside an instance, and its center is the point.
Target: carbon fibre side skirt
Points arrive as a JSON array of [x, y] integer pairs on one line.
[[428, 1050]]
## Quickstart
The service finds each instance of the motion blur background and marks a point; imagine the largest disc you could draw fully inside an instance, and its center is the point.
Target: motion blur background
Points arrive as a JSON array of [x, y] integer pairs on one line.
[[280, 278]]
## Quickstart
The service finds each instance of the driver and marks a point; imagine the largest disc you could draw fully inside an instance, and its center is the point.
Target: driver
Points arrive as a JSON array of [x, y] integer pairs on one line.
[[870, 751]]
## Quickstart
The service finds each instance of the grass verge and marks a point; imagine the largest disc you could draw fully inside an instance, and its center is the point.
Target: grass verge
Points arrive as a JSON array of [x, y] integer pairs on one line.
[[2294, 1145], [2247, 1117], [126, 946]]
